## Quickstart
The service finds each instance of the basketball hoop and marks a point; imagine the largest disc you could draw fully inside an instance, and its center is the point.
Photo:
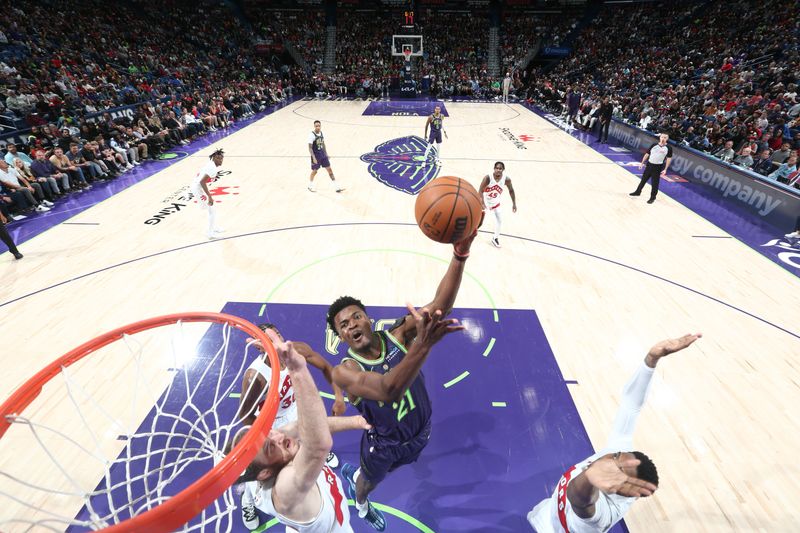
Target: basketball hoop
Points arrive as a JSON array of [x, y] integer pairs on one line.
[[140, 489]]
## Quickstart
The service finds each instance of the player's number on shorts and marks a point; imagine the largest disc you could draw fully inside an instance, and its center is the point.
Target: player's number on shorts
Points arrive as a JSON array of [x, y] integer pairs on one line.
[[403, 409]]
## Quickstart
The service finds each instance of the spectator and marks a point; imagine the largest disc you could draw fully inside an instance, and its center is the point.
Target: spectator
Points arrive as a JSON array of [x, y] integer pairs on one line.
[[745, 159], [763, 165], [725, 153], [12, 154], [780, 156], [12, 181], [63, 165], [43, 168], [49, 185], [785, 170]]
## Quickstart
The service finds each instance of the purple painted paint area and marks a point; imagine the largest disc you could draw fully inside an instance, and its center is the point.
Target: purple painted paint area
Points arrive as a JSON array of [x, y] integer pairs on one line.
[[78, 202], [753, 231], [485, 466], [404, 108]]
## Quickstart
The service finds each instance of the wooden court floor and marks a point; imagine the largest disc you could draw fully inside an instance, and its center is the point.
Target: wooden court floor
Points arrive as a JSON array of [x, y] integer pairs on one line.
[[608, 276]]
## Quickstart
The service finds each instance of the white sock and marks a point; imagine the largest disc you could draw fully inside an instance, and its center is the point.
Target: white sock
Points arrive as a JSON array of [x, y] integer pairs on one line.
[[427, 151], [212, 218], [361, 507], [438, 150]]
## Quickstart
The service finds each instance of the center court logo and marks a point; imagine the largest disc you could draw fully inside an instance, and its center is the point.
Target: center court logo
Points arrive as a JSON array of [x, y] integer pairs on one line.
[[401, 164]]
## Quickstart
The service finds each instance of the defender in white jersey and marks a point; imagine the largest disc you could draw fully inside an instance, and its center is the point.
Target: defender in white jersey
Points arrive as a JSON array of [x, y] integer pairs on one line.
[[291, 479], [254, 391], [199, 188], [491, 189], [596, 493]]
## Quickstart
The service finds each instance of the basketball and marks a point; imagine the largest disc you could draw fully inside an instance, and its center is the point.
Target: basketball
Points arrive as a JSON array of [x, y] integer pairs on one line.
[[448, 209]]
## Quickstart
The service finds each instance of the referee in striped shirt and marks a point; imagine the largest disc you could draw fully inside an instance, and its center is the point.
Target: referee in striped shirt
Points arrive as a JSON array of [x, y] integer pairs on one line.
[[657, 158]]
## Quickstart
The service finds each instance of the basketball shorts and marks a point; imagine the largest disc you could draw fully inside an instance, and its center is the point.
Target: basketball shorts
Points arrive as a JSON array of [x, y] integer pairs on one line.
[[435, 136], [322, 161], [379, 458]]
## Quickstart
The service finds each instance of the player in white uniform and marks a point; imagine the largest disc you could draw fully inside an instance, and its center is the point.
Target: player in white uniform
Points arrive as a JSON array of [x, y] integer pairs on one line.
[[291, 479], [199, 188], [596, 493], [491, 189], [254, 390], [506, 87]]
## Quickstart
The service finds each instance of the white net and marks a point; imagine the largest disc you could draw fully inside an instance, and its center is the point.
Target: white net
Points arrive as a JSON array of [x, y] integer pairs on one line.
[[124, 430]]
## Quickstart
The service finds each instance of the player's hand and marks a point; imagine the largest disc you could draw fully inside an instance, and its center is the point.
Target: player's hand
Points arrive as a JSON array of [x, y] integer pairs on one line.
[[663, 173], [287, 354], [669, 346], [210, 200], [432, 327], [339, 407], [607, 475], [3, 219], [641, 164], [361, 423]]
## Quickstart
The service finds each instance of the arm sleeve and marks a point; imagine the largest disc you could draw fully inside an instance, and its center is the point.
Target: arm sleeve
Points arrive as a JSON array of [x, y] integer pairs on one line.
[[633, 397], [651, 147], [669, 151]]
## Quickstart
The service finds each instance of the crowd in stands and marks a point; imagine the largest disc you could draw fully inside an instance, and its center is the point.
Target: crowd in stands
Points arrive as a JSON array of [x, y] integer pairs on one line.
[[187, 69], [720, 77], [521, 32]]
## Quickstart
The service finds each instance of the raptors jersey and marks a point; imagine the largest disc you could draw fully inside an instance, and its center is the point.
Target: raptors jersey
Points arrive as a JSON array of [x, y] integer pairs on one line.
[[333, 517], [492, 192], [287, 407]]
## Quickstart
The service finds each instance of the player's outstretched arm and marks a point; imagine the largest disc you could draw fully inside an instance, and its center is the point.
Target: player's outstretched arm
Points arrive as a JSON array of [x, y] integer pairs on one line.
[[607, 475], [296, 480], [336, 424], [391, 386], [446, 292], [253, 386], [635, 391], [316, 360]]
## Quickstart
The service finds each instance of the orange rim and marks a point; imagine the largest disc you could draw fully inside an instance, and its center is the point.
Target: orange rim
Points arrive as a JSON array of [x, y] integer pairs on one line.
[[187, 504]]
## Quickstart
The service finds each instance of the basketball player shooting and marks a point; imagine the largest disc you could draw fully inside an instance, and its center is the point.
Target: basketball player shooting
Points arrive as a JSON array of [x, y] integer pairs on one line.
[[382, 378], [254, 389], [491, 189], [291, 479], [596, 493], [199, 188], [436, 124]]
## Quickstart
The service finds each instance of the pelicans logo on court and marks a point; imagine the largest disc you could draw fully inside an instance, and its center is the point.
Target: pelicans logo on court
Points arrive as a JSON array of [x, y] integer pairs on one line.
[[401, 164]]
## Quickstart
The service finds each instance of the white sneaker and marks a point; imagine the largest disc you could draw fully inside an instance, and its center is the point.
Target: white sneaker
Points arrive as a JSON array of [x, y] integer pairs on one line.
[[793, 235], [41, 209], [332, 461], [18, 217], [496, 242], [339, 188], [311, 188], [249, 515], [47, 203]]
